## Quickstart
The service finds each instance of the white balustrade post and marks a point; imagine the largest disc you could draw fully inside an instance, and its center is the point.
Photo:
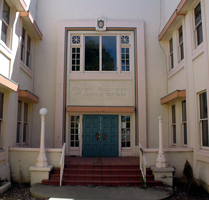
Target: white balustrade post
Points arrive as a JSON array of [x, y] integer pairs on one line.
[[161, 160], [41, 159]]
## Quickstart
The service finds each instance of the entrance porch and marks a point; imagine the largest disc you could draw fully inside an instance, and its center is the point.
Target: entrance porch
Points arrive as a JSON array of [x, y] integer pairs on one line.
[[101, 171]]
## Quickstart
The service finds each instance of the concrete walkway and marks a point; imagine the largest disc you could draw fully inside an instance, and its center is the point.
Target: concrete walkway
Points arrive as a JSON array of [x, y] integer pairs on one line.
[[97, 193]]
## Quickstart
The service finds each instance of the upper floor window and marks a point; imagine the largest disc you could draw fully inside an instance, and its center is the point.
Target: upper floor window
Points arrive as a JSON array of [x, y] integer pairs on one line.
[[198, 25], [1, 116], [100, 52], [204, 118], [26, 48], [5, 22], [171, 53], [181, 44]]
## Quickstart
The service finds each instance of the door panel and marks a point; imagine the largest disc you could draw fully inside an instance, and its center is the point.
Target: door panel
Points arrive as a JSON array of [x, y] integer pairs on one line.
[[106, 144], [91, 125]]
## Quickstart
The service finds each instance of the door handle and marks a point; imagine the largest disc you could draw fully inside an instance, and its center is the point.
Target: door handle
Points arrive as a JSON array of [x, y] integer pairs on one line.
[[97, 136], [104, 136]]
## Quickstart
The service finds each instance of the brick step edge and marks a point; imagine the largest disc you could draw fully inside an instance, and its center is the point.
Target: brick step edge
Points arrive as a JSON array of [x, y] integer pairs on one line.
[[101, 183]]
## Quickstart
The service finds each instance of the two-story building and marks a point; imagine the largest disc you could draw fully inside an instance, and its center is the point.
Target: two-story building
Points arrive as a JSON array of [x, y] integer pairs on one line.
[[105, 71]]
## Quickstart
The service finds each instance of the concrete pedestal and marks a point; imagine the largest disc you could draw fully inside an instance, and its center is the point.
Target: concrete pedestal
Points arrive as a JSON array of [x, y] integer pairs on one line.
[[163, 174], [39, 173]]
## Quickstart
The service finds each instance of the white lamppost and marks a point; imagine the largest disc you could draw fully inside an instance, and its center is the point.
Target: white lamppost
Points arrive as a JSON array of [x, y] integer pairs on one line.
[[41, 159], [161, 160]]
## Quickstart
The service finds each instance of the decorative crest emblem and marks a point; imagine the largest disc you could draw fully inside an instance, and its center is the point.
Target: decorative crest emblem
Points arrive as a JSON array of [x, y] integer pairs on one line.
[[101, 24]]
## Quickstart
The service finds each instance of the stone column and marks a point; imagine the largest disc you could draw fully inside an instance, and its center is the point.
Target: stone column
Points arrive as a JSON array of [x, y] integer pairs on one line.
[[41, 159], [161, 161]]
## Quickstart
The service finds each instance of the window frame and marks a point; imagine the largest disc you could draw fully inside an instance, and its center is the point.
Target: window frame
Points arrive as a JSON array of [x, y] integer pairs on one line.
[[79, 131], [81, 45], [184, 123], [1, 118], [196, 26], [173, 126], [22, 133], [25, 53], [171, 54], [7, 41], [181, 44], [201, 120], [125, 128]]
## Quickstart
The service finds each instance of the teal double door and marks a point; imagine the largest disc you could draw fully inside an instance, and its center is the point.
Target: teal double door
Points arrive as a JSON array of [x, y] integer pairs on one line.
[[100, 135]]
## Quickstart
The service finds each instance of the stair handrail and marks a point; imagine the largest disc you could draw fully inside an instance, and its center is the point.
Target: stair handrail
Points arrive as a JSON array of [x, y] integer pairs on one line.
[[142, 163], [62, 163]]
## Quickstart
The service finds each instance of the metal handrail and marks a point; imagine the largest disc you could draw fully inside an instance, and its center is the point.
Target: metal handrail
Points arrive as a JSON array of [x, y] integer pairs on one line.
[[62, 163], [142, 163]]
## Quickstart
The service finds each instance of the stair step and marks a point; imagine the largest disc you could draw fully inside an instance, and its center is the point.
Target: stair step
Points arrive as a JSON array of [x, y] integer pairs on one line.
[[101, 175], [77, 166], [100, 183]]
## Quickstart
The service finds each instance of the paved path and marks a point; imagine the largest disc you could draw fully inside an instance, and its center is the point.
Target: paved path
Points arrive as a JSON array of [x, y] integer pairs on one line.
[[95, 193]]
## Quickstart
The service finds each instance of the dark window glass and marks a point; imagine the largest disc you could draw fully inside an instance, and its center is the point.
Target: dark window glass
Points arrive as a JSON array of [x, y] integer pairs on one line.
[[28, 51], [204, 127], [184, 122], [92, 53], [203, 106], [19, 110], [171, 53], [204, 118], [4, 33], [1, 104], [6, 12], [198, 24], [199, 34], [181, 44], [174, 123], [109, 61], [197, 12], [173, 114]]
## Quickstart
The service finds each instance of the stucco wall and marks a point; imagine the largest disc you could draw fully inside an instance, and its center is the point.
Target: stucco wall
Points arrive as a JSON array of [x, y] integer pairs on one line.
[[175, 158], [46, 52], [22, 158]]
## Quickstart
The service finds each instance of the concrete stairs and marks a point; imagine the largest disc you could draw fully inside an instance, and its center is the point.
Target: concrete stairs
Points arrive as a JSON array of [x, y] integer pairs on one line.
[[100, 175]]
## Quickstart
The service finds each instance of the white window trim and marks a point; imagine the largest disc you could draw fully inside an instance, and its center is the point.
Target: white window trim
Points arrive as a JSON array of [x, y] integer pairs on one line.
[[25, 44], [195, 26], [22, 122], [171, 54], [180, 44], [173, 124], [79, 132], [119, 74], [200, 121], [1, 125], [182, 125], [8, 43]]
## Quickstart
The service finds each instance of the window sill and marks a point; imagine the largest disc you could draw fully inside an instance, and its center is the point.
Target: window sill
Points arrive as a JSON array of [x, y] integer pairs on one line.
[[2, 155], [176, 69], [26, 69], [5, 50], [101, 75], [199, 50], [203, 155]]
